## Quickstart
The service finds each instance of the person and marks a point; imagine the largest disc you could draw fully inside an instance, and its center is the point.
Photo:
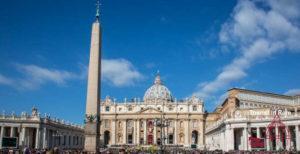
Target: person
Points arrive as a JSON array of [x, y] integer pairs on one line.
[[26, 150], [49, 151], [56, 150]]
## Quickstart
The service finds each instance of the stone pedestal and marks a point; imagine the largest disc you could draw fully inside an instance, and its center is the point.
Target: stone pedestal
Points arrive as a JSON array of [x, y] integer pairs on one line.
[[91, 137]]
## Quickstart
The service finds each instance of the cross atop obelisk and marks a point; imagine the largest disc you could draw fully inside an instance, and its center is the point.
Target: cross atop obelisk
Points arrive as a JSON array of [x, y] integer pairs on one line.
[[92, 116]]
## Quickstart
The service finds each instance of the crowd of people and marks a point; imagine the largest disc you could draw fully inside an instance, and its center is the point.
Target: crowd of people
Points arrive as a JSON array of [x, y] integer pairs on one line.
[[56, 150]]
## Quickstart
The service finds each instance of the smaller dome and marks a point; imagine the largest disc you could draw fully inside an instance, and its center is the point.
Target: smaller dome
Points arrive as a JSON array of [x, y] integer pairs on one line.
[[157, 91]]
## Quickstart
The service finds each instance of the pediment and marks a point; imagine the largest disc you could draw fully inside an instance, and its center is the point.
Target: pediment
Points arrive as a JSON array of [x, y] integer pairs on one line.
[[149, 110]]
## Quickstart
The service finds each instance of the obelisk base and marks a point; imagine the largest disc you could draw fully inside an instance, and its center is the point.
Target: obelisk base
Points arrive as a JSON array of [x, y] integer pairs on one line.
[[91, 142]]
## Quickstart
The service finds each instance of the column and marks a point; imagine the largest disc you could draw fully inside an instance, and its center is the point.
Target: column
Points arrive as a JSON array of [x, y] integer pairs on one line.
[[1, 135], [113, 132], [296, 111], [12, 132], [186, 133], [22, 136], [268, 139], [134, 132], [45, 141], [229, 137], [201, 134], [258, 132], [245, 137], [37, 138], [287, 138], [297, 138], [278, 141], [175, 133], [145, 131], [138, 131], [124, 132]]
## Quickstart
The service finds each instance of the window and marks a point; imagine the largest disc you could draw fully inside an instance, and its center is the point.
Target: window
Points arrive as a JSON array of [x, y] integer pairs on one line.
[[181, 108], [170, 139], [141, 140], [107, 108], [170, 109], [194, 108], [129, 108], [130, 139], [120, 109], [158, 108]]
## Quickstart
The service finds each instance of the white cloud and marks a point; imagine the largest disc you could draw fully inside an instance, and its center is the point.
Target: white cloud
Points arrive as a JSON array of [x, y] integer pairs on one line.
[[119, 72], [5, 81], [257, 33], [293, 92], [35, 76]]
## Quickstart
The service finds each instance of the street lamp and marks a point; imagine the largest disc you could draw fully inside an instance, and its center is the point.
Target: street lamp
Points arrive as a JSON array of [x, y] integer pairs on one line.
[[162, 123]]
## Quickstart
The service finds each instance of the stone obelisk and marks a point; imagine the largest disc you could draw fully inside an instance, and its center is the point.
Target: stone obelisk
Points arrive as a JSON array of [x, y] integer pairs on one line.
[[92, 117]]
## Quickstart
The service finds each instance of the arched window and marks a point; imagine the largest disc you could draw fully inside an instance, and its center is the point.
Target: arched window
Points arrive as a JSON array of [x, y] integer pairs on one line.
[[106, 137], [195, 137]]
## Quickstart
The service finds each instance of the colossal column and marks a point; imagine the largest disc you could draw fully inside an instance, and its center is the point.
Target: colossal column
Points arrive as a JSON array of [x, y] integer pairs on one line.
[[92, 116]]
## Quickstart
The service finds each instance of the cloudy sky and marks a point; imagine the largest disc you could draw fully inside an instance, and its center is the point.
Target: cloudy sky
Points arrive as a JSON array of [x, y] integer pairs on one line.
[[201, 48]]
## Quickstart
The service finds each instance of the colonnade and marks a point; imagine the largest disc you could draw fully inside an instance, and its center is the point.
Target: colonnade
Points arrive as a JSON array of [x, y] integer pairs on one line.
[[38, 138], [275, 141]]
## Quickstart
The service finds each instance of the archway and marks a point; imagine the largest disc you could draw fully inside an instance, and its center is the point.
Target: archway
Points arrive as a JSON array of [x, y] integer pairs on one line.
[[194, 137], [106, 137]]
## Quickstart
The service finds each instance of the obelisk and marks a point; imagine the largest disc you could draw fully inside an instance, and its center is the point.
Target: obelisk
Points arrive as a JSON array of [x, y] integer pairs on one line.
[[92, 117]]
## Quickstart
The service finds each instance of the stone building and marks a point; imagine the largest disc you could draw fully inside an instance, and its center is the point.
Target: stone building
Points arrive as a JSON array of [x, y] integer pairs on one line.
[[246, 114], [135, 122], [35, 131]]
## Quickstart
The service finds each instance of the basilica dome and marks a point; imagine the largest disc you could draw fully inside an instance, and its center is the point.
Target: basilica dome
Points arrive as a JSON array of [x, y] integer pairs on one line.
[[157, 92]]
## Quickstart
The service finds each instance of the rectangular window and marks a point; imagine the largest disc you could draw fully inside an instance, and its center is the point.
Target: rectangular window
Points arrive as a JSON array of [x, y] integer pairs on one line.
[[194, 108], [130, 139], [170, 139]]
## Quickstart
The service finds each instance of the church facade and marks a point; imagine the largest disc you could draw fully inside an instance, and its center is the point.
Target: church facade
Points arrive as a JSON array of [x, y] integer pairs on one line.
[[246, 120], [157, 118]]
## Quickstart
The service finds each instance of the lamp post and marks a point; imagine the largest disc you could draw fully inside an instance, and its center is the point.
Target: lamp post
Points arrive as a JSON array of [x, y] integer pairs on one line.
[[162, 123]]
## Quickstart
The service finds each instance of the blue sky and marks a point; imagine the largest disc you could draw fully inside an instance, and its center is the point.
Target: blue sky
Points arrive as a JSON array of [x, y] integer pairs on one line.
[[201, 48]]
